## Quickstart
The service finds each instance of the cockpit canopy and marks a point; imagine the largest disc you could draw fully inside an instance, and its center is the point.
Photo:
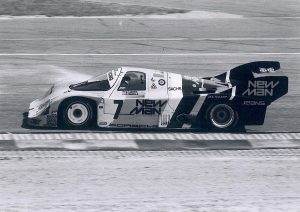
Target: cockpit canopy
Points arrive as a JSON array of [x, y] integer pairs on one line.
[[101, 84], [98, 83], [132, 80]]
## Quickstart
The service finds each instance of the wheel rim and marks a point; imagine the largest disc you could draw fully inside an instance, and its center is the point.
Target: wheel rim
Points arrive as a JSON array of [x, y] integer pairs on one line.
[[78, 113], [222, 116]]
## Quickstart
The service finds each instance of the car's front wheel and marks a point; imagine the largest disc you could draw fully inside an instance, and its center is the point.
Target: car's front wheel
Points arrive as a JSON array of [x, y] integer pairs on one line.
[[222, 117], [77, 114]]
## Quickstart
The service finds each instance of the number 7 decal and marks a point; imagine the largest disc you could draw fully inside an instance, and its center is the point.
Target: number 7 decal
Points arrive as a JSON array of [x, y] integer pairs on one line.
[[120, 104]]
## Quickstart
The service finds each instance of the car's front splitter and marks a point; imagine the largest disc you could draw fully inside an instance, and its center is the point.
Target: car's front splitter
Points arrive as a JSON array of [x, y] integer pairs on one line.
[[49, 120]]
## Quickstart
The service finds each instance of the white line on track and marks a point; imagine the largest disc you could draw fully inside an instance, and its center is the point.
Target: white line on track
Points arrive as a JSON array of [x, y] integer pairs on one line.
[[151, 54], [155, 39], [175, 16]]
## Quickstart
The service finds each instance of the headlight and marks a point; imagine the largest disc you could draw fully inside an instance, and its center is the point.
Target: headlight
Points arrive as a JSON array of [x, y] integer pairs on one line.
[[44, 105], [48, 92]]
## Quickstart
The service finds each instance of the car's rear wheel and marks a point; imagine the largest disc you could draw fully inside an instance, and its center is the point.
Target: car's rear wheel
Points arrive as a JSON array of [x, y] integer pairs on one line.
[[77, 114], [222, 117]]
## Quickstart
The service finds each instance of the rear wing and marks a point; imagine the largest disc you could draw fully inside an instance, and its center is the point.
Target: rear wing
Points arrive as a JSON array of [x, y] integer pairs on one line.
[[261, 80]]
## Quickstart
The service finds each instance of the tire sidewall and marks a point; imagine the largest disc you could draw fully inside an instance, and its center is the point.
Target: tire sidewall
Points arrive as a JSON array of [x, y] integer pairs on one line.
[[68, 123], [231, 126]]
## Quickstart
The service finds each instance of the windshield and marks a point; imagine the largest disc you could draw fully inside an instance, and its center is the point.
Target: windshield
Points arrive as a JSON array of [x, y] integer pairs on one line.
[[99, 83], [98, 78]]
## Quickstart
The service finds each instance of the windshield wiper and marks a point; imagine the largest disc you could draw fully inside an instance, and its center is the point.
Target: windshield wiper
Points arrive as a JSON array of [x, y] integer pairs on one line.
[[78, 84]]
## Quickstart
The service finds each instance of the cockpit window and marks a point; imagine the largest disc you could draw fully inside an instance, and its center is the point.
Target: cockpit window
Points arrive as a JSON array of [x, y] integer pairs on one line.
[[98, 84], [133, 80]]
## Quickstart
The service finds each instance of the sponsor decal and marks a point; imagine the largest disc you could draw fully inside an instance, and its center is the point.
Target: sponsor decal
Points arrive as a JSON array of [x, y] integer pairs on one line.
[[158, 74], [153, 86], [174, 89], [254, 103], [110, 76], [260, 88], [148, 107], [165, 119], [129, 93], [102, 123], [161, 82], [133, 125], [266, 70], [217, 97]]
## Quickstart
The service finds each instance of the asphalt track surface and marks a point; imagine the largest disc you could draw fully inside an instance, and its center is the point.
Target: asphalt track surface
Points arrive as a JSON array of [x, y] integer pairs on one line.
[[37, 52], [55, 181]]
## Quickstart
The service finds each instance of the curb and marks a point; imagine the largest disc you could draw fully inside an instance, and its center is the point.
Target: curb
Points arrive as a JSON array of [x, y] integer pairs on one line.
[[149, 136], [147, 141]]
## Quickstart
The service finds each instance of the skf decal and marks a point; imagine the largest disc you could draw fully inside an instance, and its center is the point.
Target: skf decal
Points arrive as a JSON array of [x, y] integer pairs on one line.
[[260, 88], [266, 70], [129, 93], [161, 82], [174, 88], [148, 107]]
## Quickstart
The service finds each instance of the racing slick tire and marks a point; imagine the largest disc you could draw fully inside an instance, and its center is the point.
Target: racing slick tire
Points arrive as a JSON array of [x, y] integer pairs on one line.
[[76, 114], [222, 117]]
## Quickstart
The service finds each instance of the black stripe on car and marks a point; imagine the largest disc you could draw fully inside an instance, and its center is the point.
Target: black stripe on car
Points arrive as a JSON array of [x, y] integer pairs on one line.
[[185, 106]]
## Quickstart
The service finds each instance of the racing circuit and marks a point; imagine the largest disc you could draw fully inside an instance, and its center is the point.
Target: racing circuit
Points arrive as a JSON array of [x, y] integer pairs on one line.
[[42, 51], [193, 170]]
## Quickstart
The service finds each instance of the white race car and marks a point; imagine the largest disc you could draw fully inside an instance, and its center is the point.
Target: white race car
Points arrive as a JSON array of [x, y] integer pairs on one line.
[[143, 98]]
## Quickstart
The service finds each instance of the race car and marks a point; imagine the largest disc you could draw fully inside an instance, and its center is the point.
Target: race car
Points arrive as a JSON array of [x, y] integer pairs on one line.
[[130, 97]]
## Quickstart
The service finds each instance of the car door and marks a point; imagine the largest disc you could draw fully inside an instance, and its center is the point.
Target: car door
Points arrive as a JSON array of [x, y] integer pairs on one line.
[[126, 101]]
